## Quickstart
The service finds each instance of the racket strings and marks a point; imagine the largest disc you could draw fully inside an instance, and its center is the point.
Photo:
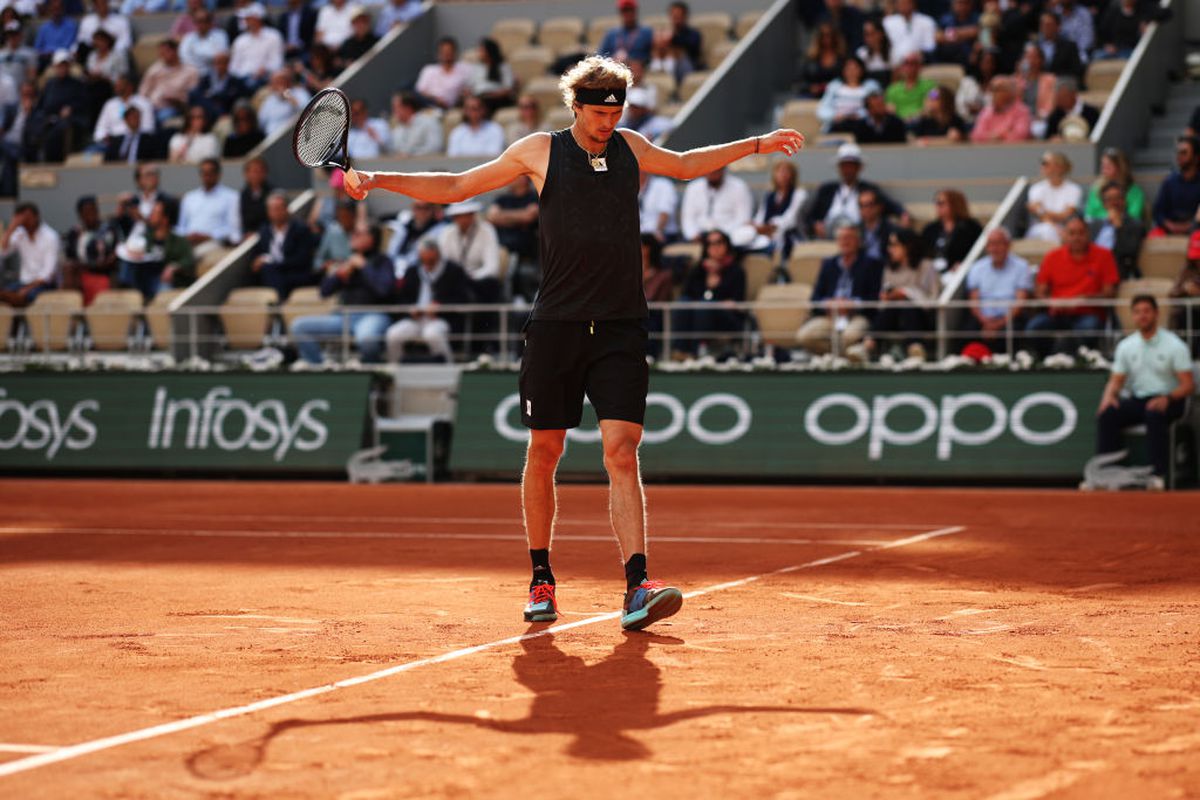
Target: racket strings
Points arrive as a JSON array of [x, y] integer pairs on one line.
[[321, 130]]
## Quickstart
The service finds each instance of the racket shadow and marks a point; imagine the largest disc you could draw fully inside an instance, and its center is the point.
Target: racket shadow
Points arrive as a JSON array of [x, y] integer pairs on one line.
[[609, 708]]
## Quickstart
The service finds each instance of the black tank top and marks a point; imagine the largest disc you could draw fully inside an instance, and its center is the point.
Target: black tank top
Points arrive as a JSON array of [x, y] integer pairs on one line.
[[589, 235]]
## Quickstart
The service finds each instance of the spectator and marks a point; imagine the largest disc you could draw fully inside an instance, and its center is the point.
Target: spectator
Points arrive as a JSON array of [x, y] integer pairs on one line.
[[443, 84], [848, 20], [823, 61], [1121, 26], [1052, 200], [907, 93], [368, 137], [146, 179], [246, 134], [1077, 26], [910, 31], [493, 80], [629, 40], [949, 238], [198, 47], [907, 293], [939, 120], [135, 146], [778, 216], [252, 199], [258, 51], [16, 133], [132, 7], [879, 125], [60, 118], [111, 122], [1119, 232], [1115, 168], [1068, 109], [335, 246], [36, 245], [875, 229], [408, 228], [413, 133], [297, 24], [476, 135], [365, 278], [283, 256], [428, 285], [685, 41], [529, 120], [658, 207], [1077, 271], [154, 257], [958, 32], [360, 41], [320, 71], [58, 32], [1157, 367], [656, 281], [837, 201], [209, 215], [185, 23], [474, 244], [1036, 87], [1005, 119], [639, 115], [284, 102], [102, 18], [1187, 287], [89, 256], [876, 52], [167, 82], [998, 284], [104, 65], [514, 215], [219, 89], [716, 201], [195, 142], [334, 24], [844, 100], [845, 281], [394, 13], [971, 97], [18, 61], [1179, 196], [1062, 55], [718, 281]]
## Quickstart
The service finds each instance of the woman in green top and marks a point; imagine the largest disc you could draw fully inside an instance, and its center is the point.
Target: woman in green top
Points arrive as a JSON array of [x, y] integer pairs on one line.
[[1114, 168]]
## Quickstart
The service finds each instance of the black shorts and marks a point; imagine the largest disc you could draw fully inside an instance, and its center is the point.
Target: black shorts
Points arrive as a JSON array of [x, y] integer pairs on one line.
[[564, 360]]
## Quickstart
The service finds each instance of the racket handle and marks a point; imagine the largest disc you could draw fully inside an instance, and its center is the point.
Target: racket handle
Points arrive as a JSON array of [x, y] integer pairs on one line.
[[351, 179]]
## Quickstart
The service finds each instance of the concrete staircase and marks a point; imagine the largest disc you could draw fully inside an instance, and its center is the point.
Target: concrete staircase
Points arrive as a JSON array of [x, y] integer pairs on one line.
[[1158, 152]]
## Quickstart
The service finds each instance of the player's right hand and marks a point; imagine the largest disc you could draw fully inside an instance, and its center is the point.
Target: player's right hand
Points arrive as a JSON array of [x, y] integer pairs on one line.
[[357, 184]]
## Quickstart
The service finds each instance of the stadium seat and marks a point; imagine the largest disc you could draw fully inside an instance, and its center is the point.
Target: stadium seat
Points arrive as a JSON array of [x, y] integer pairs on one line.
[[663, 85], [1102, 75], [719, 52], [544, 89], [1159, 288], [306, 301], [561, 34], [559, 117], [597, 27], [944, 74], [210, 259], [759, 268], [805, 261], [110, 317], [691, 84], [450, 119], [1097, 98], [801, 115], [530, 61], [779, 322], [745, 22], [1032, 250], [655, 22], [714, 27], [158, 319], [6, 323], [145, 51], [1163, 257], [51, 317], [513, 33], [245, 315], [506, 116], [681, 250]]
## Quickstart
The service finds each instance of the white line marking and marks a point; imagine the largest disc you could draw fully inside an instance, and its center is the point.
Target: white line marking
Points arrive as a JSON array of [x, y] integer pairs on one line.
[[109, 742], [26, 748], [438, 535]]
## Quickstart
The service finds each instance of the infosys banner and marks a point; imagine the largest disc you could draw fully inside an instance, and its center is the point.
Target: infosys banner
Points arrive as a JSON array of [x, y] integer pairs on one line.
[[245, 422], [814, 425]]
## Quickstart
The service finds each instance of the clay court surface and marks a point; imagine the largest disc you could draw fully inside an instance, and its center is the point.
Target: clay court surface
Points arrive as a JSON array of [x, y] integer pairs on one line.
[[161, 639]]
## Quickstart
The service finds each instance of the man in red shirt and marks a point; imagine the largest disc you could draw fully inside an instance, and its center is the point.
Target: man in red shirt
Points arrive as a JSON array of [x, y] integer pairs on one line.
[[1077, 271]]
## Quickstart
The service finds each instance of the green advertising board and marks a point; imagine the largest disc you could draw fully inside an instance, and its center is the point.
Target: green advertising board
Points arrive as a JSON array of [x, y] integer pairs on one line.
[[954, 425], [213, 421]]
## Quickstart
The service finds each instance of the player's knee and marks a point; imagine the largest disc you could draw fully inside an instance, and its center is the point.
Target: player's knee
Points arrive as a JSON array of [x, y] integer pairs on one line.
[[620, 454], [544, 452]]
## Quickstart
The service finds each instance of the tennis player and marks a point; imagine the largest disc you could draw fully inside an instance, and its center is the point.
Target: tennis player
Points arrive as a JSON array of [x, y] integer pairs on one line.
[[587, 331]]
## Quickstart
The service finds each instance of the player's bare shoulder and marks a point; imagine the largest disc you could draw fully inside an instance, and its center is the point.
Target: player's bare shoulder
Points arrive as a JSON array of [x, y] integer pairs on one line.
[[532, 152]]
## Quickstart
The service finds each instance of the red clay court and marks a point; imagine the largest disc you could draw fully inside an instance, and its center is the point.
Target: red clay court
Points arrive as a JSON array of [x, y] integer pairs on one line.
[[269, 640]]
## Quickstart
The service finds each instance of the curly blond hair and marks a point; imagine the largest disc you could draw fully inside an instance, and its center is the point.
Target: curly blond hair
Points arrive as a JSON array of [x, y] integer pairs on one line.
[[593, 72]]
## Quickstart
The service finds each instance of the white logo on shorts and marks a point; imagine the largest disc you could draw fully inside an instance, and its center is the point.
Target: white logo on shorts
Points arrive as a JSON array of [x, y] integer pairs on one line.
[[529, 408]]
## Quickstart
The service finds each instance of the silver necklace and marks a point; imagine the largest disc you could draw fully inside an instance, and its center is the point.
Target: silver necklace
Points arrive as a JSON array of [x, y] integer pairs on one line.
[[599, 162]]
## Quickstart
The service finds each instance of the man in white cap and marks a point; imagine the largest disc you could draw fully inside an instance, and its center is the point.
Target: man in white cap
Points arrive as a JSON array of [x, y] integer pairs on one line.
[[837, 201], [473, 243], [258, 51], [586, 334]]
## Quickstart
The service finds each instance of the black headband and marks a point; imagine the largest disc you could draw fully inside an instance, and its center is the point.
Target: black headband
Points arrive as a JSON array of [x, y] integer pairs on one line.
[[600, 97]]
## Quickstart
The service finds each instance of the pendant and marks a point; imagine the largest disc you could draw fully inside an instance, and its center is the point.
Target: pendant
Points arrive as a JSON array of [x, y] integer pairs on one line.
[[599, 164]]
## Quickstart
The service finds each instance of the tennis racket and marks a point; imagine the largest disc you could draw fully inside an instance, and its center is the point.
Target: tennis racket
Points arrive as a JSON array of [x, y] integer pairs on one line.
[[319, 139]]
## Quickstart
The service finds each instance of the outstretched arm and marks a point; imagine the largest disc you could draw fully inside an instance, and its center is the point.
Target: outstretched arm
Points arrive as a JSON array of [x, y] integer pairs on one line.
[[703, 160], [527, 156]]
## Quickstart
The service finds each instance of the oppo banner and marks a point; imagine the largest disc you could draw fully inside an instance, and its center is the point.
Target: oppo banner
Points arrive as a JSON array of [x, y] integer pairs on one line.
[[841, 425], [245, 422]]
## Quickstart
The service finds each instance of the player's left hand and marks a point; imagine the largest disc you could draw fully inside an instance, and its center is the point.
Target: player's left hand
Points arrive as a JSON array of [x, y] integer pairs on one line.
[[784, 140]]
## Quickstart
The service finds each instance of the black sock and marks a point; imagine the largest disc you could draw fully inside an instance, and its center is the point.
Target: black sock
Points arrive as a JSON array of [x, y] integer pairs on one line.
[[635, 570], [541, 566]]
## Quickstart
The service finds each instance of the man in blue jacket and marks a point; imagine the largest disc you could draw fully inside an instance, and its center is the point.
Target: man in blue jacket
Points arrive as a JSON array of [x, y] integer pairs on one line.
[[845, 282]]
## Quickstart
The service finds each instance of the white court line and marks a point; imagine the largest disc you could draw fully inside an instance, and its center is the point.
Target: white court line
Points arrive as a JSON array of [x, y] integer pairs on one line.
[[27, 748], [107, 743], [437, 535]]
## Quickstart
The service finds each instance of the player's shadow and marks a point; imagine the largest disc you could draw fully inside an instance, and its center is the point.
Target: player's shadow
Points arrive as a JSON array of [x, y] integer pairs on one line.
[[602, 706]]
